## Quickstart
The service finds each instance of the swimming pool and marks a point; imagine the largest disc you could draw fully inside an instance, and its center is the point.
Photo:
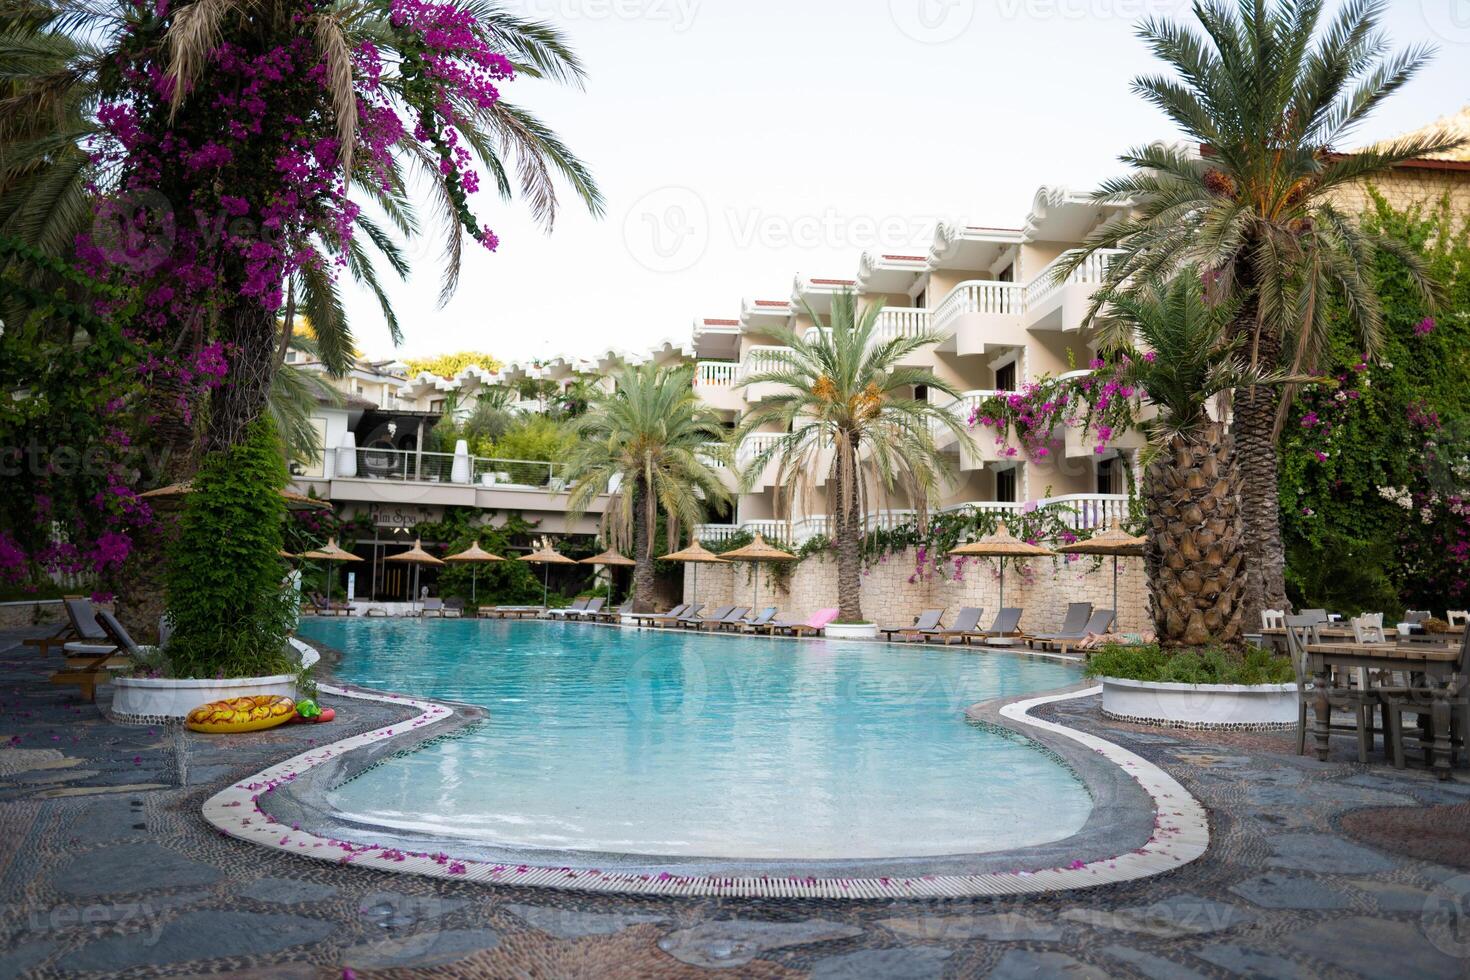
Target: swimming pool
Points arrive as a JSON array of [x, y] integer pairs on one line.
[[666, 743]]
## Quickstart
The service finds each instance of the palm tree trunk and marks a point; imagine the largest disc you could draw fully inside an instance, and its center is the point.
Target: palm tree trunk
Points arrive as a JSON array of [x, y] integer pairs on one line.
[[848, 525], [250, 331], [1255, 437], [643, 522], [1194, 556]]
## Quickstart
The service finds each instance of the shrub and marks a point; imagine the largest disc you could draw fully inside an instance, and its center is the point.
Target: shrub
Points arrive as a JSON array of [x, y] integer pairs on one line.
[[1211, 666], [229, 608]]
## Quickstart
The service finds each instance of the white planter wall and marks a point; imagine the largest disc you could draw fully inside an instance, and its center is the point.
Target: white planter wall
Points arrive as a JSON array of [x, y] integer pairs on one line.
[[851, 631], [1221, 706], [147, 700]]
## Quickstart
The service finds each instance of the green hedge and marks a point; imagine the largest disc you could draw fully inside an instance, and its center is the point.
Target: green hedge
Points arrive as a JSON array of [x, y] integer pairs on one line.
[[1149, 663]]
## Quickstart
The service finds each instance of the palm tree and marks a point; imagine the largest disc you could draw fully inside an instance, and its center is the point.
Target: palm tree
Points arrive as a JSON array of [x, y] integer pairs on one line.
[[1268, 100], [848, 411], [1195, 556], [647, 444], [56, 59]]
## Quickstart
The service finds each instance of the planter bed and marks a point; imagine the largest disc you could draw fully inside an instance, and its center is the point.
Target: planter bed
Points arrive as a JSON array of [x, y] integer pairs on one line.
[[1231, 707], [156, 701]]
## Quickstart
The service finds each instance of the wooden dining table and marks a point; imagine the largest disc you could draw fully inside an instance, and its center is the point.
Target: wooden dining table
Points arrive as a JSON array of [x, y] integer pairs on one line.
[[1437, 665]]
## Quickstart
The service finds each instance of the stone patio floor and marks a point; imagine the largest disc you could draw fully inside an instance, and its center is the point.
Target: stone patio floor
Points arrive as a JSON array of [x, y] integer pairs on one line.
[[108, 869]]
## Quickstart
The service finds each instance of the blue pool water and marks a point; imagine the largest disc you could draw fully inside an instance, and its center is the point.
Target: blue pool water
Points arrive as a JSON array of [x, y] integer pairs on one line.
[[672, 743]]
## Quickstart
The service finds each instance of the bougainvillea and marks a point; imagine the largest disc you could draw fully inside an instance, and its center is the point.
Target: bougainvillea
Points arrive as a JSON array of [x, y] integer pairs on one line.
[[231, 143], [1098, 402], [1376, 465]]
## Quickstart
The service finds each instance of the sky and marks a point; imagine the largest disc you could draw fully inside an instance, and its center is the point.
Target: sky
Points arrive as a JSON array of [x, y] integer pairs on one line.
[[740, 143]]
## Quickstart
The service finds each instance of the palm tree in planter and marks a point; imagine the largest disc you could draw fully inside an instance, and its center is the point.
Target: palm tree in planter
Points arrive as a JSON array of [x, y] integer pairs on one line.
[[1195, 555], [652, 446], [846, 410], [1266, 97]]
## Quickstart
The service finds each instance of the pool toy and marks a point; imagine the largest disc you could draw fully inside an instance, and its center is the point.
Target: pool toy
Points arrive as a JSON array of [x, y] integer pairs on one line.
[[247, 714], [327, 715], [308, 709]]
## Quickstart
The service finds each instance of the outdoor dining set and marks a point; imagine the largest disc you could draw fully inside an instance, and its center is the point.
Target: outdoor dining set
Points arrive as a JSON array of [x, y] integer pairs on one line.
[[1411, 683]]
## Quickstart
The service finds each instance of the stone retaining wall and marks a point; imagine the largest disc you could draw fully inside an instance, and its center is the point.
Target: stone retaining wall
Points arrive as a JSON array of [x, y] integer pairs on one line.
[[1043, 589], [14, 614]]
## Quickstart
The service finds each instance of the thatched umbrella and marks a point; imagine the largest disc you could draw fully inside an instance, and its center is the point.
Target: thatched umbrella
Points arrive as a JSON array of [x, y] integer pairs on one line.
[[1002, 544], [696, 554], [609, 559], [294, 501], [417, 557], [329, 554], [478, 556], [758, 551], [1114, 541], [546, 555]]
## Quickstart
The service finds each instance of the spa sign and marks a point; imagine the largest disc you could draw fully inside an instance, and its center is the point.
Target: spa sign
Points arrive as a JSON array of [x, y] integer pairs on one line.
[[397, 515]]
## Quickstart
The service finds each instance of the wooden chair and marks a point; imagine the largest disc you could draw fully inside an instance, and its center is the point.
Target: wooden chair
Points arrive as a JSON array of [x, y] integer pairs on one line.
[[1300, 632], [1449, 704], [1457, 617]]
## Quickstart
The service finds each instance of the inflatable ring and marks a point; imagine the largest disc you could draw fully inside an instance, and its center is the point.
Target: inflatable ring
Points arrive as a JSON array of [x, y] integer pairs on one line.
[[249, 714]]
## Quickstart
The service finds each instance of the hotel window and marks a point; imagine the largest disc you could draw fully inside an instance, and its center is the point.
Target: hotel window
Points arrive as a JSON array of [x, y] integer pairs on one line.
[[1008, 274], [1110, 475], [1005, 377], [921, 300], [1005, 485], [921, 393]]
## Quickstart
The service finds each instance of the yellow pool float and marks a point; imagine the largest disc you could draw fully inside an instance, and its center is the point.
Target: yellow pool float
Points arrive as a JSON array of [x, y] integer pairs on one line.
[[250, 714]]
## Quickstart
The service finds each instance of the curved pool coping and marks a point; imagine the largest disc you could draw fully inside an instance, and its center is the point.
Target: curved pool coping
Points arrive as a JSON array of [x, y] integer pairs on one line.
[[1143, 823]]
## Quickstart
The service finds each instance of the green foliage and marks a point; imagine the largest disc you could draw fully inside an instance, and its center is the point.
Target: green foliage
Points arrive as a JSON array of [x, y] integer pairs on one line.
[[496, 583], [531, 437], [1362, 458], [450, 365], [227, 605], [1147, 662]]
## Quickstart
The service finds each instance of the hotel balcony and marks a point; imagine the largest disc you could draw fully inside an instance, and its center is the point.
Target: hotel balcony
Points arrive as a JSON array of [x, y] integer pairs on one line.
[[750, 448], [396, 477], [717, 386], [982, 316], [759, 360], [1080, 511], [984, 445], [1053, 305]]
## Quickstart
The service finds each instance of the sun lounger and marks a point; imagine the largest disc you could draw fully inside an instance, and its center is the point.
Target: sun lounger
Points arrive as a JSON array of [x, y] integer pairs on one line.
[[814, 625], [734, 617], [1007, 623], [1100, 623], [87, 676], [693, 620], [589, 612], [615, 615], [81, 626], [965, 622], [453, 608], [660, 619], [1074, 623], [577, 606], [759, 622], [433, 607], [926, 620]]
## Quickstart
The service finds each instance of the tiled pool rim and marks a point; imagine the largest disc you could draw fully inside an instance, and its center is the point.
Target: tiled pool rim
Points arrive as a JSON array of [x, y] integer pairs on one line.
[[1180, 831]]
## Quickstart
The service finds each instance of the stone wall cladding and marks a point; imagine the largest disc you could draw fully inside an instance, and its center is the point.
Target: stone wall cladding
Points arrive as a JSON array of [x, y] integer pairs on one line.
[[890, 598], [1404, 189]]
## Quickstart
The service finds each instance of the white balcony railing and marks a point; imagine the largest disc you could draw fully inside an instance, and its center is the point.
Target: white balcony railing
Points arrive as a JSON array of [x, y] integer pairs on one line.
[[755, 444], [1084, 511], [901, 322], [979, 296], [716, 374], [758, 360], [1094, 269]]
